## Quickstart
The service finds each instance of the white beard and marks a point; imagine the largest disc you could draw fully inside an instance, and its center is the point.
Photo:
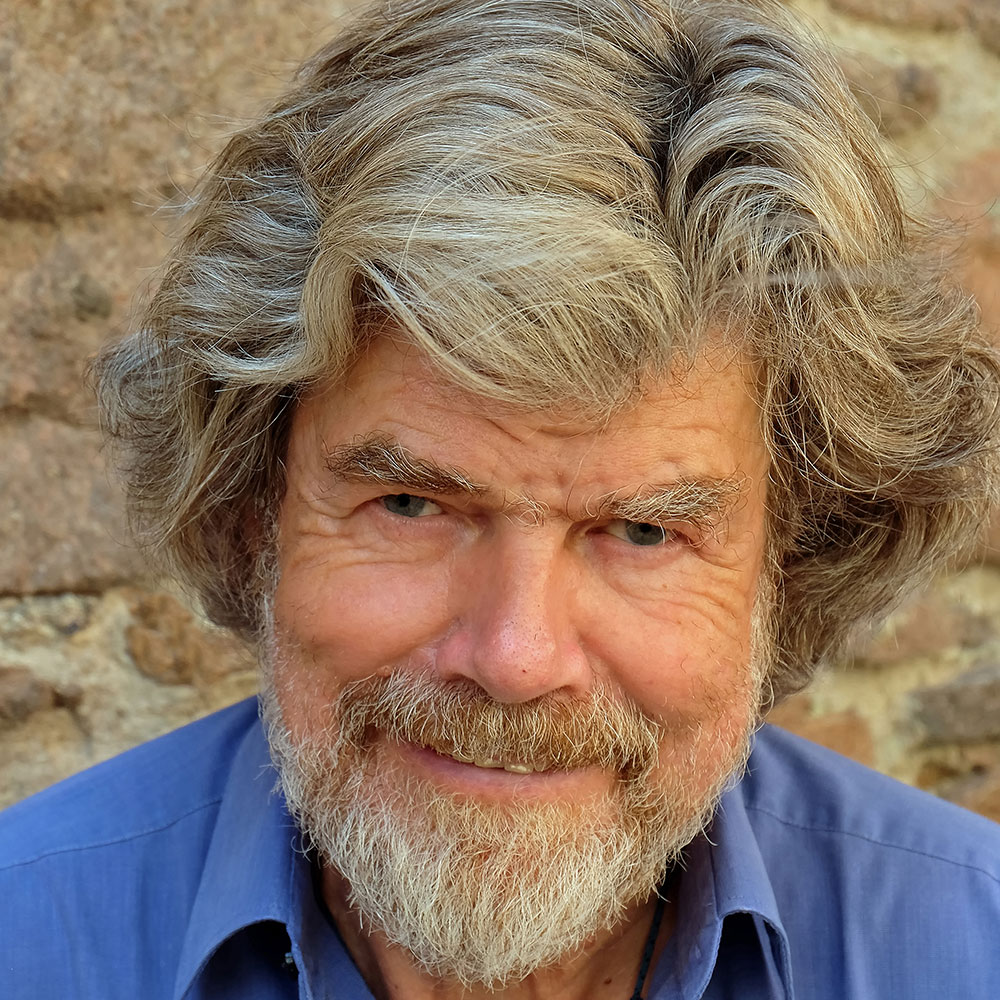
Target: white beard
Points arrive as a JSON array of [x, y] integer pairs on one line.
[[488, 892]]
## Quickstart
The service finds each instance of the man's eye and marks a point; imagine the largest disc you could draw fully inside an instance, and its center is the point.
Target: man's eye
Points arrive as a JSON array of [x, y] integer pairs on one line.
[[639, 532], [408, 505]]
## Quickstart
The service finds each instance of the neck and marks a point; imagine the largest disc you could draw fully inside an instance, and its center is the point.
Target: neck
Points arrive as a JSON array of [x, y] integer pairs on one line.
[[606, 968]]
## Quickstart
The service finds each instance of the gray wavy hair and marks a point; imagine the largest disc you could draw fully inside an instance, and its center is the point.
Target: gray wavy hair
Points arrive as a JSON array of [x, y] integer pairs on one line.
[[557, 199]]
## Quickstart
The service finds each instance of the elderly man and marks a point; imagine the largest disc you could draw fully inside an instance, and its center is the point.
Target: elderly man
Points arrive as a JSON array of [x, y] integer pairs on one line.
[[545, 388]]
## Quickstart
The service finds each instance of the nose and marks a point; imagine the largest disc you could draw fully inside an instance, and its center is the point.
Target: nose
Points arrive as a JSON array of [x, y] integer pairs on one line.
[[514, 635]]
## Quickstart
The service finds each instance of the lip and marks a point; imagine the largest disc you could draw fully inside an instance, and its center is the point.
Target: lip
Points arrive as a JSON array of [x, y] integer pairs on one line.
[[454, 775]]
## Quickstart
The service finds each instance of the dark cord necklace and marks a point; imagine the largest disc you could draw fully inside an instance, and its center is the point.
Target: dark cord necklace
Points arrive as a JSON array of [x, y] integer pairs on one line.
[[647, 951]]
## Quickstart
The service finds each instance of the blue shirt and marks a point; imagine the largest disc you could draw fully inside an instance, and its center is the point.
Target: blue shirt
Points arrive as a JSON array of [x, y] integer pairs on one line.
[[174, 871]]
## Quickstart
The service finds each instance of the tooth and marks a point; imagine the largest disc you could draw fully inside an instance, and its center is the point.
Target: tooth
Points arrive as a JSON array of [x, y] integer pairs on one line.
[[519, 768], [486, 762]]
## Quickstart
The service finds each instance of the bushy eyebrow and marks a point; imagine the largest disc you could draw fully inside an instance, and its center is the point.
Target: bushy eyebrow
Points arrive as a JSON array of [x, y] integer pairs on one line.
[[383, 461], [703, 503]]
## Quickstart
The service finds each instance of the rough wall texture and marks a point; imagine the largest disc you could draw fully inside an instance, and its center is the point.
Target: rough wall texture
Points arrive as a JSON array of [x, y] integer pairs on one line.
[[109, 110]]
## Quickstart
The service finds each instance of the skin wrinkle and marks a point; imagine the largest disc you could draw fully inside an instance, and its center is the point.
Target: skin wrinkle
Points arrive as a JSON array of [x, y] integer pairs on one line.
[[380, 459], [512, 619]]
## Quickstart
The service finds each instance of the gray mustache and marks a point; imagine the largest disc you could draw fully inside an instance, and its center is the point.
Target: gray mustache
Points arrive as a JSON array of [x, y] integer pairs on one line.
[[459, 719]]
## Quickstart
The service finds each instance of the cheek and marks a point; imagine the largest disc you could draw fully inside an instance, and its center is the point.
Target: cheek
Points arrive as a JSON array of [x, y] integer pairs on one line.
[[683, 654], [349, 619]]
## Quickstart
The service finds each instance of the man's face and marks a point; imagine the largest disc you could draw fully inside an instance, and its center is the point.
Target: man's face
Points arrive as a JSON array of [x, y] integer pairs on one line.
[[575, 603]]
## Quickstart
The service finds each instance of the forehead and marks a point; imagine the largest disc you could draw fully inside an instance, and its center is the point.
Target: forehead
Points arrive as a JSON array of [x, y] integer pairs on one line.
[[700, 420]]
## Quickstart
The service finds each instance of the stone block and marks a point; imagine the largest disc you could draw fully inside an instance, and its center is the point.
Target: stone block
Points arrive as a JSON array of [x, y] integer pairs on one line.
[[972, 200], [71, 694], [984, 16], [970, 778], [33, 622], [66, 288], [22, 694], [168, 644], [980, 794], [897, 98], [845, 732], [62, 526], [963, 710], [930, 625], [936, 15], [43, 749], [120, 102]]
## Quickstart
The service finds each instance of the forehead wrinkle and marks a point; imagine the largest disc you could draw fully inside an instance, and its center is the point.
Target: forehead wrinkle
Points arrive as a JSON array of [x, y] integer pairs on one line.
[[380, 458]]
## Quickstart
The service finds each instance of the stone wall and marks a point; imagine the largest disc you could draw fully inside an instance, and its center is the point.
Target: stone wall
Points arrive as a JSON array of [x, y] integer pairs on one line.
[[110, 108]]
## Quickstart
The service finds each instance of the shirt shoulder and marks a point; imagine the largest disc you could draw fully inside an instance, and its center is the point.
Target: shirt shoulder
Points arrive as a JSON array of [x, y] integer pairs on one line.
[[883, 890], [99, 873], [807, 787], [137, 793]]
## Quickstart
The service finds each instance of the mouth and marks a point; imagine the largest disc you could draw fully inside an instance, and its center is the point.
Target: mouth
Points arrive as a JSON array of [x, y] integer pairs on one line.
[[514, 767], [466, 772]]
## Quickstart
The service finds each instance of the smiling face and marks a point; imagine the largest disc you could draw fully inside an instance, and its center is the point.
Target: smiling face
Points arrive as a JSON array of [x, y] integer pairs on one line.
[[511, 625]]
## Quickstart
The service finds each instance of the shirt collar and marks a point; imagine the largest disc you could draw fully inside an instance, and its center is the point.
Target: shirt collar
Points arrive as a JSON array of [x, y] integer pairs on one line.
[[255, 870], [254, 867], [724, 876]]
